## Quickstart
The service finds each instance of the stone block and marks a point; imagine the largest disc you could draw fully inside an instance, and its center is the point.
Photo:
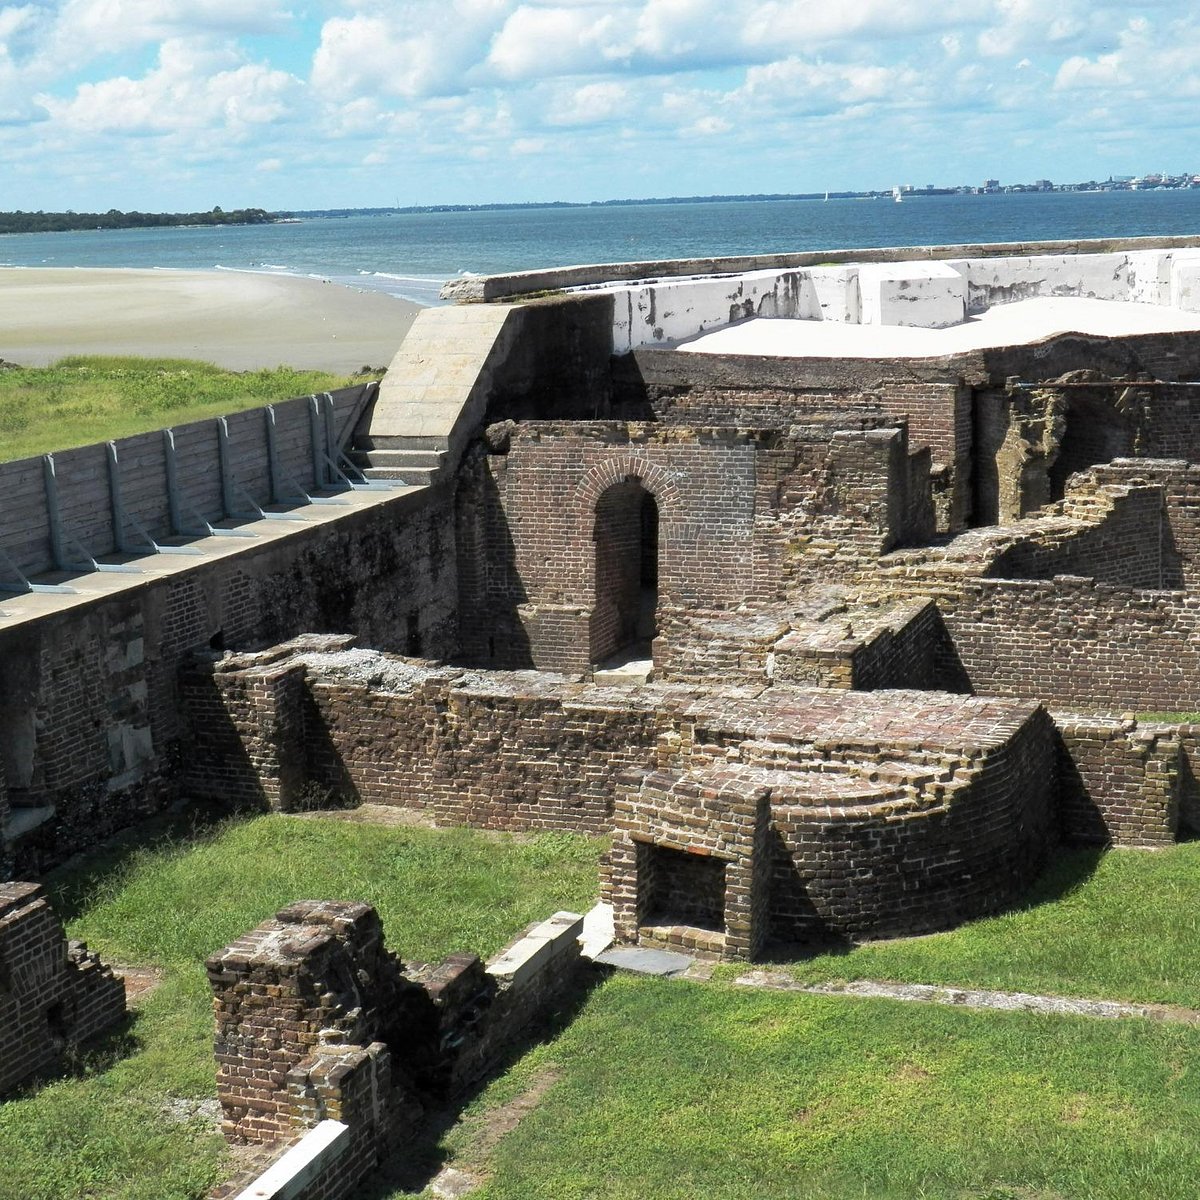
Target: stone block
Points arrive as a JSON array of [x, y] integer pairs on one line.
[[929, 295]]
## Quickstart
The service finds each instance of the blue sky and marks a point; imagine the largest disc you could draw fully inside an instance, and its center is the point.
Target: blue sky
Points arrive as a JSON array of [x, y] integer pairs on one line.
[[183, 104]]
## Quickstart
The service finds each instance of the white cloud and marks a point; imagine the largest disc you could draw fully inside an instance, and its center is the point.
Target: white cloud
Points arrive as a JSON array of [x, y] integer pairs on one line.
[[392, 54], [590, 104], [558, 41], [86, 28], [196, 84]]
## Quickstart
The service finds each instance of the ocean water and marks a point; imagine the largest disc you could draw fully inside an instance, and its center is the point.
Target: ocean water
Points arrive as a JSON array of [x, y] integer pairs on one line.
[[410, 255]]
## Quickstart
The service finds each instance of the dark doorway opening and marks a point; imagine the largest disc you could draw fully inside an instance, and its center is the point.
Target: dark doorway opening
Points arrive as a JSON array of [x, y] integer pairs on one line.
[[1095, 433], [678, 888], [624, 615]]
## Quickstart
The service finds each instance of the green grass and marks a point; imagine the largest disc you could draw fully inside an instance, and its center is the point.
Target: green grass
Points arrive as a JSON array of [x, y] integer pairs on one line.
[[673, 1090], [729, 1092], [81, 400], [670, 1089], [1122, 925], [103, 1134]]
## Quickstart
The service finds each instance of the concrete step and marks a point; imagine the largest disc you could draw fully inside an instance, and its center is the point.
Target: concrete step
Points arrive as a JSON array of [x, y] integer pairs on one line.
[[393, 442], [397, 458], [410, 476], [415, 466]]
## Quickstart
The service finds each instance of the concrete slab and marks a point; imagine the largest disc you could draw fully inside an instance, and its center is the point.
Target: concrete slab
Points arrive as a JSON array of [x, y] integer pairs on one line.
[[663, 963], [597, 931], [1015, 324], [625, 674]]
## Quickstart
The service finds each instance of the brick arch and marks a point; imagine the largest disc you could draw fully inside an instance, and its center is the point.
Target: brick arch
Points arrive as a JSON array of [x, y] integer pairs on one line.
[[618, 616], [653, 478]]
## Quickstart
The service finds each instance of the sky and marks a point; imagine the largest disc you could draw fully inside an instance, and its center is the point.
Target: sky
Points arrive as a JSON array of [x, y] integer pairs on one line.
[[180, 105]]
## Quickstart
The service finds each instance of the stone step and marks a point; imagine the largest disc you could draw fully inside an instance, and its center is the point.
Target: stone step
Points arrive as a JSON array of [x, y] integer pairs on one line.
[[415, 466], [367, 441], [397, 458], [409, 476]]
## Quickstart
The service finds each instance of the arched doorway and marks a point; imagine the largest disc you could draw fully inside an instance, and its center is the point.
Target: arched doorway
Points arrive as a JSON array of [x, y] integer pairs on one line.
[[625, 532]]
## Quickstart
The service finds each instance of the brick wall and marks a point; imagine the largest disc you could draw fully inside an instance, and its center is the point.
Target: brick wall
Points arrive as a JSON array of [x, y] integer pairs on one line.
[[318, 1022], [54, 995], [741, 516], [89, 695]]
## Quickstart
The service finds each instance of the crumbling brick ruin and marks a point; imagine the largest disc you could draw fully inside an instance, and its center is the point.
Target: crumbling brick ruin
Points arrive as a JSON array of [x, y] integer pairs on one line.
[[54, 994], [320, 1025]]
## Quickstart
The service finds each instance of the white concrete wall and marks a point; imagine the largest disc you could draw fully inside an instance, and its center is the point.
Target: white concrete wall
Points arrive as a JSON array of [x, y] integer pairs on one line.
[[925, 294], [1185, 282], [1140, 277], [664, 311]]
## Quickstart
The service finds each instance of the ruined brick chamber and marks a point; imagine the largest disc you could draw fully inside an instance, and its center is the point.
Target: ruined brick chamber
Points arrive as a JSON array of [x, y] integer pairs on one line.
[[740, 816]]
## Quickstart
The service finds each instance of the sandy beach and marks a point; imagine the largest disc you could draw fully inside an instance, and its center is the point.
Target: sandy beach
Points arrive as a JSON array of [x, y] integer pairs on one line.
[[238, 320]]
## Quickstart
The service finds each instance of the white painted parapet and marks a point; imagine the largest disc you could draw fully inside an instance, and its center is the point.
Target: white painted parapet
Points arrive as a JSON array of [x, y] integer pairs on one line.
[[927, 294], [662, 311], [1184, 285]]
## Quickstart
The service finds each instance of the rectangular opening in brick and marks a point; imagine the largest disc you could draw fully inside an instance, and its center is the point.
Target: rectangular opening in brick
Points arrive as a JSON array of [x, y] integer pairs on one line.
[[681, 888]]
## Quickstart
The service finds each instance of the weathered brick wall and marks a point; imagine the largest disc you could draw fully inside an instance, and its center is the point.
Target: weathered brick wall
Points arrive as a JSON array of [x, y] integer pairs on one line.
[[247, 743], [917, 864], [687, 868], [933, 399], [54, 995], [1120, 781], [529, 759], [1071, 642], [1127, 545], [1173, 531], [740, 516], [318, 974], [90, 704]]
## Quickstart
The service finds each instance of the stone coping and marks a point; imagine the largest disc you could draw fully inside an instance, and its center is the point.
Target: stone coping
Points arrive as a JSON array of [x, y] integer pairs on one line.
[[913, 720], [498, 287]]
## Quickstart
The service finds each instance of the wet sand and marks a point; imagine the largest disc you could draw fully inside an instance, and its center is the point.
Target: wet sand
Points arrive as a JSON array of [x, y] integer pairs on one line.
[[239, 320]]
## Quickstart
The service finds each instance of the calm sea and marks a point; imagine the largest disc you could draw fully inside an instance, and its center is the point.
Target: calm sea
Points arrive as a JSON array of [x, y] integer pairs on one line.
[[411, 255]]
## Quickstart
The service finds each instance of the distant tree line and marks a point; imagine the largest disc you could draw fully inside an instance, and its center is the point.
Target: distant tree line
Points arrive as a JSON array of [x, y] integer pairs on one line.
[[44, 222]]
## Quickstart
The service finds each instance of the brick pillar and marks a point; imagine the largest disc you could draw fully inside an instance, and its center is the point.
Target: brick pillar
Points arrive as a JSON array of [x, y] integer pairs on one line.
[[51, 996], [318, 974], [247, 731]]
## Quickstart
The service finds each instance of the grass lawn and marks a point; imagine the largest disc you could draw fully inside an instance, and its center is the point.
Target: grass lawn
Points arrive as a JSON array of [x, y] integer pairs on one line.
[[81, 400], [107, 1133], [670, 1089], [708, 1090], [1122, 925], [721, 1091]]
